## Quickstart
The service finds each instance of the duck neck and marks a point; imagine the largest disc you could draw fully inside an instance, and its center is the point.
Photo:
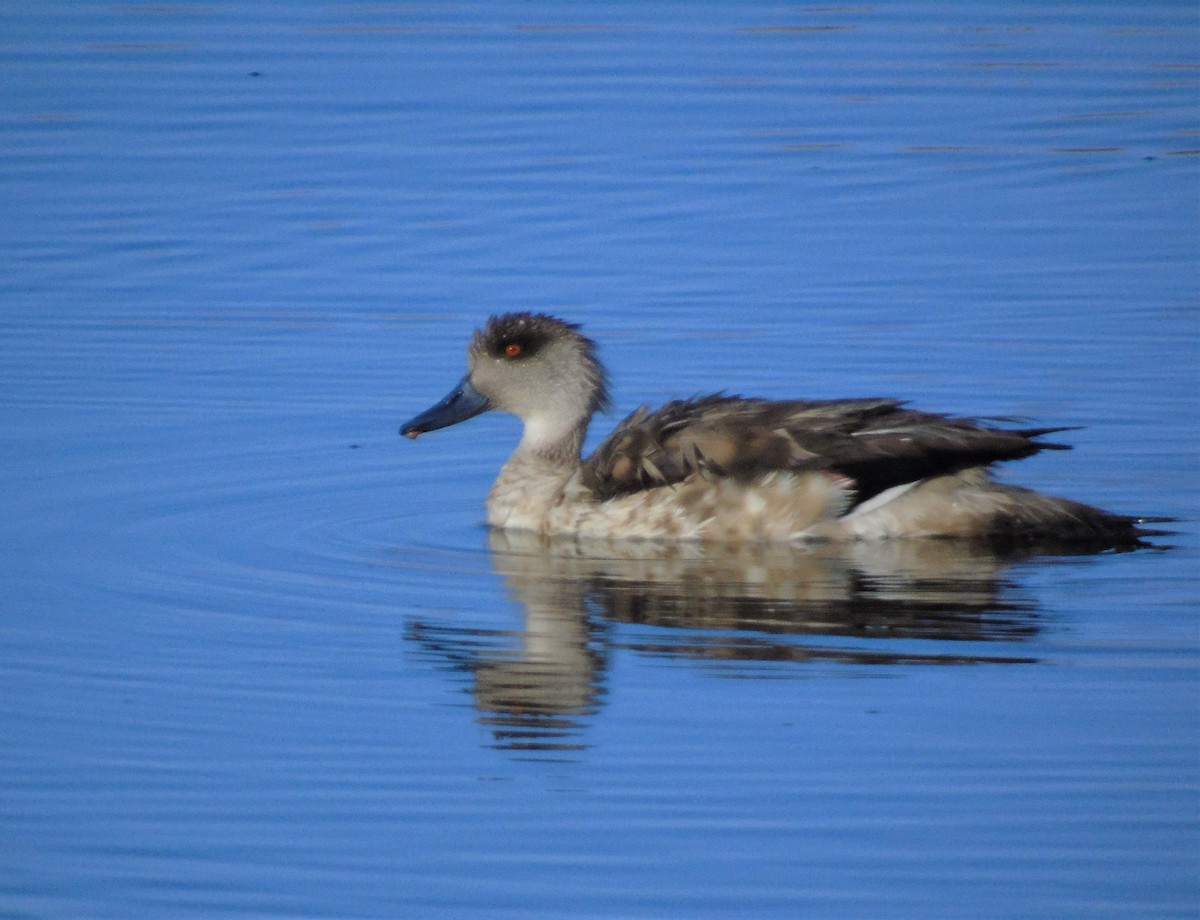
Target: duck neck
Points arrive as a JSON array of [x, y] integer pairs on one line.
[[534, 480], [550, 444]]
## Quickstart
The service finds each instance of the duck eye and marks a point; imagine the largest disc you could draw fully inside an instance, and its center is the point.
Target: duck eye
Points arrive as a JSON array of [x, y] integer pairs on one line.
[[513, 350]]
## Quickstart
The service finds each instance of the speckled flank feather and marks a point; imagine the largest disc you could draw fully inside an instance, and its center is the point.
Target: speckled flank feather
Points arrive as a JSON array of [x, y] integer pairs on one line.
[[776, 506], [726, 469]]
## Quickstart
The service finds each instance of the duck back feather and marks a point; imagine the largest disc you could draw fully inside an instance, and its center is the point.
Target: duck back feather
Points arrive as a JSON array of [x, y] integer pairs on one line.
[[874, 443]]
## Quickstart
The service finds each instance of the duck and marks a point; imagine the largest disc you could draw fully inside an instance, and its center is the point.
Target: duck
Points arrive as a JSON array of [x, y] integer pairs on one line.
[[720, 468]]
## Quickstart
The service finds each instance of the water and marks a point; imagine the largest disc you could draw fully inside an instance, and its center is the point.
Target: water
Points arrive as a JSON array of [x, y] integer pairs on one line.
[[261, 659]]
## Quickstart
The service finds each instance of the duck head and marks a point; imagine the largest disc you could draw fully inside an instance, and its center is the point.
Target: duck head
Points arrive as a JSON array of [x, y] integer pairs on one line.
[[536, 367]]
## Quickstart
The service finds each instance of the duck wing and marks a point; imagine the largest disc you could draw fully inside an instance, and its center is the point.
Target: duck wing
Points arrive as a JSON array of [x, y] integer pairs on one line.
[[877, 443]]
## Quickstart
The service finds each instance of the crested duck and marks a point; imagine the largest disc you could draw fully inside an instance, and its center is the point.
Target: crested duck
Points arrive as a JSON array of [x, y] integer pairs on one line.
[[723, 468]]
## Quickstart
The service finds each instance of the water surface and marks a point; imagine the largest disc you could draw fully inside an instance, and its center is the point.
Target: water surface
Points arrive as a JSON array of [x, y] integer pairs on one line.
[[260, 657]]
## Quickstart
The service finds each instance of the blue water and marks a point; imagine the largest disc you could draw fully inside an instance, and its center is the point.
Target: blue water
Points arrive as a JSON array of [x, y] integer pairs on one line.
[[258, 656]]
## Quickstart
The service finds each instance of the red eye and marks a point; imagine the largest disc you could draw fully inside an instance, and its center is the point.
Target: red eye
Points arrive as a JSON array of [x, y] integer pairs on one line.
[[513, 350]]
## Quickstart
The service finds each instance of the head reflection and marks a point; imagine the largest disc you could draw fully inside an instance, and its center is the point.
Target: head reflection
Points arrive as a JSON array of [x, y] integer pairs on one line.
[[736, 608]]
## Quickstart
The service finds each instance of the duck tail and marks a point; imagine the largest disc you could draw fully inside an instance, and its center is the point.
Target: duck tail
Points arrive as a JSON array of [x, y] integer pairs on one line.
[[1034, 433]]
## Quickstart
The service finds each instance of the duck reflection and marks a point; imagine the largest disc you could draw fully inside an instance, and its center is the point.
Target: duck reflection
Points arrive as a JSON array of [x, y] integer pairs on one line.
[[728, 607]]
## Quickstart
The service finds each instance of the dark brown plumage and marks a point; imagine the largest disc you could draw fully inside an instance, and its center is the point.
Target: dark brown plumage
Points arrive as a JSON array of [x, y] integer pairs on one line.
[[874, 443]]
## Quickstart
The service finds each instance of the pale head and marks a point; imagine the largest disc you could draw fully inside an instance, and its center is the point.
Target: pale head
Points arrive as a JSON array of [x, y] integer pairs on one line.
[[536, 367]]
